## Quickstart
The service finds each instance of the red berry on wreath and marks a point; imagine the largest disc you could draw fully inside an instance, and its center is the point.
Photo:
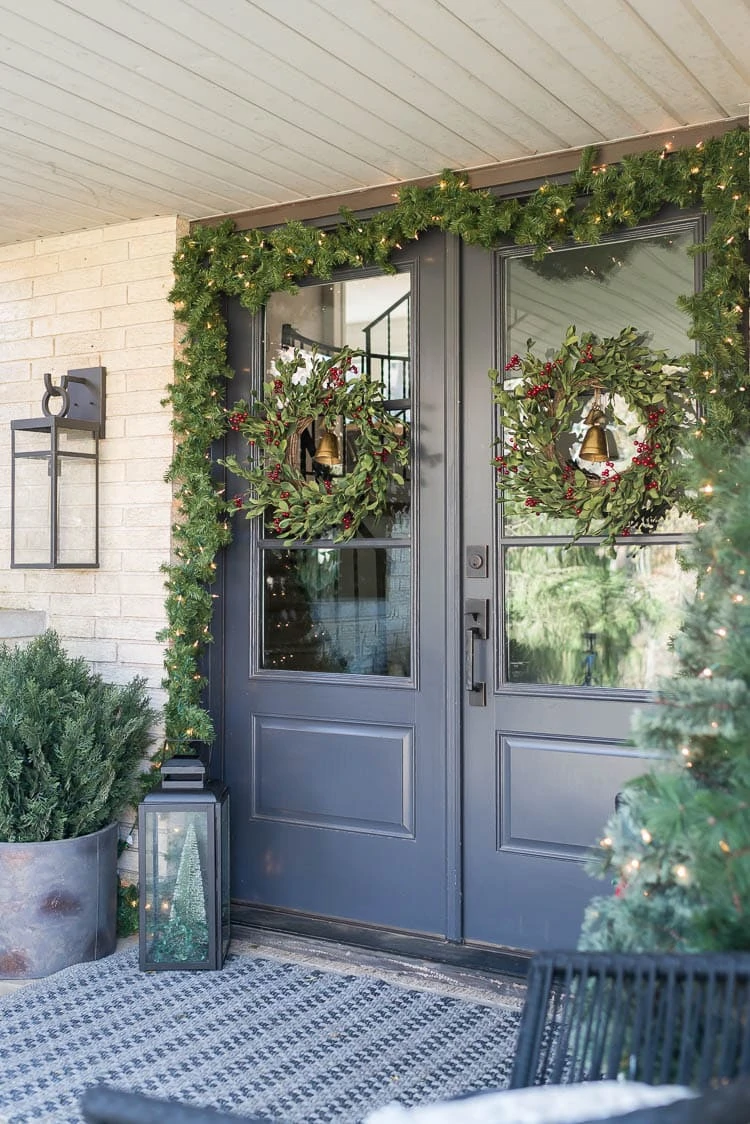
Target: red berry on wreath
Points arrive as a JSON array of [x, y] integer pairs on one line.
[[238, 501]]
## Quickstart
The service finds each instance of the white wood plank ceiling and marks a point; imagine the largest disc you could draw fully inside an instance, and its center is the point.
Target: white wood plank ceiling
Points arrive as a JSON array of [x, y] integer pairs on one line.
[[120, 109]]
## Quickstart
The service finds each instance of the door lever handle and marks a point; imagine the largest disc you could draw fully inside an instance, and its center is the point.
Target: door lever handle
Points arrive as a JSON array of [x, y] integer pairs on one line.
[[476, 616]]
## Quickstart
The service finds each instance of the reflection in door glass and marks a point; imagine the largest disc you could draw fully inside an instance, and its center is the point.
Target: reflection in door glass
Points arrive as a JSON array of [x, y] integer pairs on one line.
[[603, 289], [577, 616], [338, 610], [371, 315]]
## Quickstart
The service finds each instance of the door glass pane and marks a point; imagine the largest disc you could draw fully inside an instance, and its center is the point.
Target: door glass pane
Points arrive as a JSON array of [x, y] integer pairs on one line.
[[601, 289], [578, 616], [345, 610], [372, 315]]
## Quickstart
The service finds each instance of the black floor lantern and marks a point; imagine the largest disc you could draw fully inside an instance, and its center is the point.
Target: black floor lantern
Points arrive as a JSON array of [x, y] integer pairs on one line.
[[183, 862]]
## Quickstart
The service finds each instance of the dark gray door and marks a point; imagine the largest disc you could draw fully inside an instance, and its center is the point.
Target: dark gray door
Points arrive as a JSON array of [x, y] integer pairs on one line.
[[575, 636], [368, 785], [335, 680]]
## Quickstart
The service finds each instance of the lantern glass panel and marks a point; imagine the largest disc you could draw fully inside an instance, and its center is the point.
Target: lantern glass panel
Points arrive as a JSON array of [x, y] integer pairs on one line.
[[76, 511], [31, 510], [178, 870]]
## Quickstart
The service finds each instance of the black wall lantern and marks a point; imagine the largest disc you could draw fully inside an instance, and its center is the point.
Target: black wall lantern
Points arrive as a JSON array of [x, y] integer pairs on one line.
[[183, 867], [55, 476]]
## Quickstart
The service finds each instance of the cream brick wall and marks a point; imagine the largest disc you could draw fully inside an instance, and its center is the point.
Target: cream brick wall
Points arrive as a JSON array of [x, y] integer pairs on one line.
[[93, 298]]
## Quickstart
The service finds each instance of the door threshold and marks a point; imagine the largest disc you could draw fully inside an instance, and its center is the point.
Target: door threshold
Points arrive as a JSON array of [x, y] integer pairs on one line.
[[467, 970]]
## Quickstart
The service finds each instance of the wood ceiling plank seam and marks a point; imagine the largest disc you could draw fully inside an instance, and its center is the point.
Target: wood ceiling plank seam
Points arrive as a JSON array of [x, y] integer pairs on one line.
[[185, 109], [341, 161], [28, 173], [556, 19], [242, 54], [376, 23], [729, 23], [550, 65], [699, 41], [648, 58], [233, 106], [435, 108], [147, 108], [164, 178], [98, 108], [392, 105], [22, 105], [74, 163], [70, 211]]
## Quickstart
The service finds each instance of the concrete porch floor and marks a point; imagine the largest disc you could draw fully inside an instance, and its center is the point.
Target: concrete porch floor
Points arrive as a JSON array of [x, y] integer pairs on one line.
[[428, 975]]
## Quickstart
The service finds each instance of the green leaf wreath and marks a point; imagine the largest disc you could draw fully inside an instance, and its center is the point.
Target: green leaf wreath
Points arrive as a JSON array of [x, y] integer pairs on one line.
[[321, 390], [542, 403]]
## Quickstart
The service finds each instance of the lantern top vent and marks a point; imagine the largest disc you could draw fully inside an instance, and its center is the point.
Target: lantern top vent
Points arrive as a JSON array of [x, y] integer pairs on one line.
[[183, 772]]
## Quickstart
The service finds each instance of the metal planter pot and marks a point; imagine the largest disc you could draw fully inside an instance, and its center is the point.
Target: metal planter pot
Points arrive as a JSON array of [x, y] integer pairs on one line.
[[58, 903]]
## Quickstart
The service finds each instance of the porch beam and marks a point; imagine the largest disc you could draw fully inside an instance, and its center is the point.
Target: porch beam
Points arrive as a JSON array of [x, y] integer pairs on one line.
[[523, 170]]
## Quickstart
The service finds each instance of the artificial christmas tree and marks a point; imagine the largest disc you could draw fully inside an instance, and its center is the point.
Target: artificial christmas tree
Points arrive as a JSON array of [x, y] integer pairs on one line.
[[678, 847]]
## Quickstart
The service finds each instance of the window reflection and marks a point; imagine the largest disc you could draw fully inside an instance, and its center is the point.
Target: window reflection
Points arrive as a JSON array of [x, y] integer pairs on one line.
[[338, 610], [602, 289], [577, 616]]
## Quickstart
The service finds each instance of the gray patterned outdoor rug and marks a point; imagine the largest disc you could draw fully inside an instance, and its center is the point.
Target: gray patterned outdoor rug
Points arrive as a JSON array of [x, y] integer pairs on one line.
[[285, 1040]]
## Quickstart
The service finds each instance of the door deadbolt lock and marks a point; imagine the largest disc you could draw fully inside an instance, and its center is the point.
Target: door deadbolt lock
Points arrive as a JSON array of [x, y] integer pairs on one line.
[[476, 562]]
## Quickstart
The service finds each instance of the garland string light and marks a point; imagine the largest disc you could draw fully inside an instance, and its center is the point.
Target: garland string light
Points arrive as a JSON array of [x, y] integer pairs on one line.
[[214, 262]]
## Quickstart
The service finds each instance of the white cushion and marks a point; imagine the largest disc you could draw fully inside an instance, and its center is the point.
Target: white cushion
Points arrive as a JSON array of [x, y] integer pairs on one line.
[[540, 1104]]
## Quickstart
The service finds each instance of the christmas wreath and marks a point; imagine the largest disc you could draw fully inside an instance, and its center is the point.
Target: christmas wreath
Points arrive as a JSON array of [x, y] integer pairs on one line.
[[595, 434], [309, 390]]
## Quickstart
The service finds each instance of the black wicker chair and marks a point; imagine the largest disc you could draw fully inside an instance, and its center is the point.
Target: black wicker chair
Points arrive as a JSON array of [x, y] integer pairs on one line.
[[661, 1019]]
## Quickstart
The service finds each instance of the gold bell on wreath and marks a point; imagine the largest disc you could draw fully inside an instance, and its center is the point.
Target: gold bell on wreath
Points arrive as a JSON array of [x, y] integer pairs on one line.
[[594, 445], [327, 451]]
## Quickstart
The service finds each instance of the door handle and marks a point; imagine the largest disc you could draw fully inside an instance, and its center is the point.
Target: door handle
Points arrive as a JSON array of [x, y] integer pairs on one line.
[[476, 616]]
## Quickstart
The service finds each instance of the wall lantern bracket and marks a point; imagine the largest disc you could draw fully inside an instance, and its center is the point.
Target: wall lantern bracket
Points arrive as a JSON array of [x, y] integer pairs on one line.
[[81, 394]]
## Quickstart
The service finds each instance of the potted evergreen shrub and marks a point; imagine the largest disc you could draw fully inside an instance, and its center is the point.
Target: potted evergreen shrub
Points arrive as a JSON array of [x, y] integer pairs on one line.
[[71, 746]]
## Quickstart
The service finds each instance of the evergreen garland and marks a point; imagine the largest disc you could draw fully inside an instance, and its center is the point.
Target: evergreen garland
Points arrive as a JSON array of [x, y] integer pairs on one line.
[[214, 262]]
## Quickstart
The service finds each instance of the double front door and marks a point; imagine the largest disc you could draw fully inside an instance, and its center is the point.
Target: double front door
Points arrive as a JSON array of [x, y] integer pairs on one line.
[[424, 728]]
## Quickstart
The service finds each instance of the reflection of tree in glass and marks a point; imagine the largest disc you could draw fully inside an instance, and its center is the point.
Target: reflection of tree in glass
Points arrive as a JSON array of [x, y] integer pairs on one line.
[[597, 263], [294, 641], [558, 594]]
